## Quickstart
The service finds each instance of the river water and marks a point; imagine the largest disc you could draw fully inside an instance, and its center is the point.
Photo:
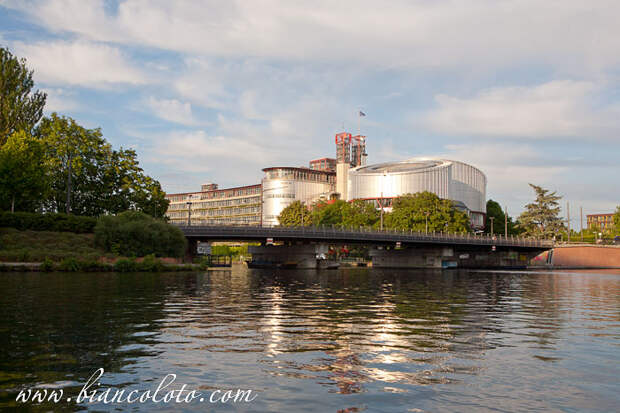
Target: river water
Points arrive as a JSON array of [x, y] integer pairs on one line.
[[349, 340]]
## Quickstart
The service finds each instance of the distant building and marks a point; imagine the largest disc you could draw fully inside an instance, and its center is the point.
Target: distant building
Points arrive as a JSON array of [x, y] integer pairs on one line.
[[600, 221], [213, 206], [323, 164], [379, 184], [284, 185]]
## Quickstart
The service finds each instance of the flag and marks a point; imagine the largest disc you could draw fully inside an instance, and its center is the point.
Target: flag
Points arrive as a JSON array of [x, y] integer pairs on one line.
[[362, 113]]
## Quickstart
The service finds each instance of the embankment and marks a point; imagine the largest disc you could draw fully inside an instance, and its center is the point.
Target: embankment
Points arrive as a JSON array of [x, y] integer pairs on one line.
[[580, 256]]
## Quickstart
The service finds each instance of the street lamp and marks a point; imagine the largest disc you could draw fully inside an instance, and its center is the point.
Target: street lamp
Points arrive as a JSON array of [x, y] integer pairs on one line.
[[189, 213], [426, 214], [491, 218]]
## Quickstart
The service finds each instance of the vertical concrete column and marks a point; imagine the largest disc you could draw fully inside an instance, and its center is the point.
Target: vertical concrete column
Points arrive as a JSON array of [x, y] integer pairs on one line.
[[191, 250]]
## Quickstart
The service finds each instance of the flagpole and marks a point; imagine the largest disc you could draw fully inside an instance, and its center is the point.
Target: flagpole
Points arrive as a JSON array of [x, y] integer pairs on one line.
[[359, 122]]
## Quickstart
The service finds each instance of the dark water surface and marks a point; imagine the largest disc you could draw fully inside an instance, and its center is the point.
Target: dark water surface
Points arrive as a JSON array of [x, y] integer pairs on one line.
[[327, 341]]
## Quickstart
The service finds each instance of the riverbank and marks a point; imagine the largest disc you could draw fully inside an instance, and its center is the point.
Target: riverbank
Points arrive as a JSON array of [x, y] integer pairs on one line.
[[579, 256], [29, 250]]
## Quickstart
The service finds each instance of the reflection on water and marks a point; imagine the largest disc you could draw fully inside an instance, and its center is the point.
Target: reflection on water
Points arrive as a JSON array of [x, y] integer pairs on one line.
[[348, 340]]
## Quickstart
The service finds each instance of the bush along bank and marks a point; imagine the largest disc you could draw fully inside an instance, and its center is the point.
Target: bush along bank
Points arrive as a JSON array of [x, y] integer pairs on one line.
[[27, 244], [47, 222], [147, 264]]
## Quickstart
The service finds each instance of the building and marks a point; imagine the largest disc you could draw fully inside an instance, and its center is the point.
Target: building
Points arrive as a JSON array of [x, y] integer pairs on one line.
[[600, 221], [213, 206], [323, 164], [285, 185], [457, 181], [350, 153]]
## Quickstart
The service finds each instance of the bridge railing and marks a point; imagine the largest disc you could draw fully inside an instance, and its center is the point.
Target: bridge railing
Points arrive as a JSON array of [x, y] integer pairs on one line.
[[362, 233]]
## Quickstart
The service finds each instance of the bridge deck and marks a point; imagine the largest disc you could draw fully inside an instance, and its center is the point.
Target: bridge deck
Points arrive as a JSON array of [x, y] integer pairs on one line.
[[368, 236]]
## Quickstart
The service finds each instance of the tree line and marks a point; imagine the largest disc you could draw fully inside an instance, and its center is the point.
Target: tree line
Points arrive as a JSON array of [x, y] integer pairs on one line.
[[420, 212], [426, 212], [53, 164]]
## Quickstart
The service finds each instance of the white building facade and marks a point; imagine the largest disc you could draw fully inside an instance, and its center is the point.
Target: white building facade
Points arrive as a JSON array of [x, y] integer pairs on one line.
[[457, 181], [284, 185]]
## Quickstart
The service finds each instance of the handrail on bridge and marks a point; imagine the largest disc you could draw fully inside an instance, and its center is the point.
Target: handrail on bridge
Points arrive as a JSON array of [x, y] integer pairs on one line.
[[358, 233]]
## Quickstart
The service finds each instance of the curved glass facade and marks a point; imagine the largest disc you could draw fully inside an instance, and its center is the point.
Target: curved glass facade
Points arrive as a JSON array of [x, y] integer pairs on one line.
[[447, 179], [283, 186]]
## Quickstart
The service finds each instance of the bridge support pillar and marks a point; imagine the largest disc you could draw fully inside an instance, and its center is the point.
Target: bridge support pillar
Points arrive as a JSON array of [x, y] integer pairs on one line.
[[407, 258], [449, 257], [294, 256], [192, 250]]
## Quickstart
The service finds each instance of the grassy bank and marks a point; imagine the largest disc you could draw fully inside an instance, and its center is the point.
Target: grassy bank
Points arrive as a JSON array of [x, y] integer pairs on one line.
[[36, 246], [67, 251]]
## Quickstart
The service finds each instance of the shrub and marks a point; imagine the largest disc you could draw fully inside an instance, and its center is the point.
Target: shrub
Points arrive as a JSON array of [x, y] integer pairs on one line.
[[47, 265], [125, 265], [47, 222], [150, 263], [134, 233], [70, 264]]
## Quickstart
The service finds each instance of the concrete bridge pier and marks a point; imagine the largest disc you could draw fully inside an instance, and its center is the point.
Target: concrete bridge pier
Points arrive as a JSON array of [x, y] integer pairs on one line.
[[294, 255], [191, 250], [448, 257]]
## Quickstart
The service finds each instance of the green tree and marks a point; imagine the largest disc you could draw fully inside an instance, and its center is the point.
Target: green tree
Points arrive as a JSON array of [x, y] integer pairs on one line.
[[414, 212], [22, 178], [359, 214], [20, 109], [103, 180], [495, 210], [617, 220], [294, 214], [134, 233], [541, 217], [326, 214]]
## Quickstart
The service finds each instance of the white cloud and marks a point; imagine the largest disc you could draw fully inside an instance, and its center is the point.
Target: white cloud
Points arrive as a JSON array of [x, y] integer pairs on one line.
[[509, 168], [173, 110], [554, 109], [567, 34], [59, 100], [79, 63]]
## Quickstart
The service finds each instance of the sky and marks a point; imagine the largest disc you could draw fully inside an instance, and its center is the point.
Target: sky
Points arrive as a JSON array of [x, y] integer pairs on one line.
[[528, 91]]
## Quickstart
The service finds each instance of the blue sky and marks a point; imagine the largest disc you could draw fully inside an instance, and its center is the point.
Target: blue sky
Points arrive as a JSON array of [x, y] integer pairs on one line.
[[528, 91]]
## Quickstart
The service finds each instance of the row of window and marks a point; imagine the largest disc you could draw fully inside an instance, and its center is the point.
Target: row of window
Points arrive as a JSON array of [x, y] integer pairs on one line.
[[215, 212], [216, 204], [279, 196], [215, 194], [309, 175], [251, 220]]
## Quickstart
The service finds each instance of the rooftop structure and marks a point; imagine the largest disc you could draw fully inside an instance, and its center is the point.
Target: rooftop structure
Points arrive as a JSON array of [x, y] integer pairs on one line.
[[323, 164], [600, 221]]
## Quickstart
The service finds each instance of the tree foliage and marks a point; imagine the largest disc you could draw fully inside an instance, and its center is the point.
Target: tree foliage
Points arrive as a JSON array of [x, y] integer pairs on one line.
[[495, 210], [34, 172], [342, 214], [20, 109], [134, 233], [414, 211], [23, 180], [294, 214], [541, 217], [104, 181], [409, 212], [617, 220]]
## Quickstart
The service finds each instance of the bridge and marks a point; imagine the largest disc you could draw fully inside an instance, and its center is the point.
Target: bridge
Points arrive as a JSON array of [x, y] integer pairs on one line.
[[389, 248]]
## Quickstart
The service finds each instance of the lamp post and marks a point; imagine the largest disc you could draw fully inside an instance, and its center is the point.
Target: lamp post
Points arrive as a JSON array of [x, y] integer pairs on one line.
[[491, 218], [381, 203], [426, 214], [189, 213], [68, 204]]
